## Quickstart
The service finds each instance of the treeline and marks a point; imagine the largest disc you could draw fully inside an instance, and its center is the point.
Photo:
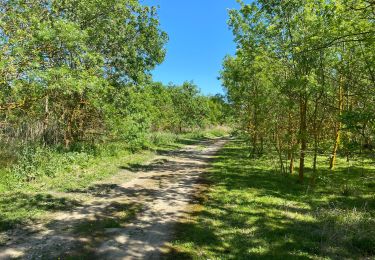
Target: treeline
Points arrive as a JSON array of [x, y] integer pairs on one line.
[[74, 72], [303, 78]]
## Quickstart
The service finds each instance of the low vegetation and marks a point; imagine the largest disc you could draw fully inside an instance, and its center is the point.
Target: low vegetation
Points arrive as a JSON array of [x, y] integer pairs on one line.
[[252, 211], [23, 201]]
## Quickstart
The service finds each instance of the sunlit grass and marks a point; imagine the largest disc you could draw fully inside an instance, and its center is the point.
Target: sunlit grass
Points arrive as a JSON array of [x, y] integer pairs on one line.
[[254, 212], [23, 201]]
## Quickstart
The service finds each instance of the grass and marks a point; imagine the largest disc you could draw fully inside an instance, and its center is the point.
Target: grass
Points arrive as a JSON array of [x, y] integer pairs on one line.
[[23, 202], [53, 174], [253, 212], [17, 207]]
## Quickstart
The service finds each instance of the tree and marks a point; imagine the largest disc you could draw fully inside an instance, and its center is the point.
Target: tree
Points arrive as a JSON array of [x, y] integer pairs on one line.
[[302, 56], [62, 62]]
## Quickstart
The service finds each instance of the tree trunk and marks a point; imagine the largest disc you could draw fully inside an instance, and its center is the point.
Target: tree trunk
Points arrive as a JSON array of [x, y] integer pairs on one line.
[[338, 127], [255, 130], [291, 164], [46, 120], [279, 151], [254, 150], [290, 136], [291, 144], [316, 141], [315, 153], [261, 145], [303, 137]]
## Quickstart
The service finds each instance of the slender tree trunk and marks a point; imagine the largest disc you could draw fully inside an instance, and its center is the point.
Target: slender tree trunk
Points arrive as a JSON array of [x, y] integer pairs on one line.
[[255, 139], [316, 141], [338, 126], [255, 130], [313, 180], [46, 119], [290, 135], [291, 144], [279, 151], [291, 164], [67, 135], [81, 132], [303, 136], [315, 153], [317, 123]]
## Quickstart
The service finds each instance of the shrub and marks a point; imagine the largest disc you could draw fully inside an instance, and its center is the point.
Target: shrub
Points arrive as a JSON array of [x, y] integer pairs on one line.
[[34, 162]]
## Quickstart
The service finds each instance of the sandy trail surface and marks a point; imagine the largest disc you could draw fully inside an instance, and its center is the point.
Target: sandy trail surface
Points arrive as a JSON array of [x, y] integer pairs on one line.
[[158, 194]]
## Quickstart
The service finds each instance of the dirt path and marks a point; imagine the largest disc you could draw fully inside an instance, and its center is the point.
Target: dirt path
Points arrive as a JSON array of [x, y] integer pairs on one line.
[[121, 219]]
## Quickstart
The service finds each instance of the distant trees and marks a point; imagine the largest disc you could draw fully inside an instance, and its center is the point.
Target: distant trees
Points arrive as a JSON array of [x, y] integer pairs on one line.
[[183, 108], [303, 76]]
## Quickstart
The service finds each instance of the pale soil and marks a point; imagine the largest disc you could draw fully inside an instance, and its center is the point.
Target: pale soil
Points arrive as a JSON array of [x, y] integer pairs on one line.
[[158, 194]]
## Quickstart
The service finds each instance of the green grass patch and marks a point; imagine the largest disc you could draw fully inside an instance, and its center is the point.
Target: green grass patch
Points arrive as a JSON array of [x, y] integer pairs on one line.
[[26, 186], [20, 208], [253, 212]]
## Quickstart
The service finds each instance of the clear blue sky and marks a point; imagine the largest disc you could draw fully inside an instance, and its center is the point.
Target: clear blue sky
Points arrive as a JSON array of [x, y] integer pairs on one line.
[[199, 39]]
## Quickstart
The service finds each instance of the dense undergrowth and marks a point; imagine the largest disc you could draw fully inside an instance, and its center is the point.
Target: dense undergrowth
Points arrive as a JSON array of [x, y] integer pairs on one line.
[[27, 188], [254, 212]]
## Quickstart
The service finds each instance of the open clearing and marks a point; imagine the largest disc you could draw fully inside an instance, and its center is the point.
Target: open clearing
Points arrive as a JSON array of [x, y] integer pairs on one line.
[[130, 216]]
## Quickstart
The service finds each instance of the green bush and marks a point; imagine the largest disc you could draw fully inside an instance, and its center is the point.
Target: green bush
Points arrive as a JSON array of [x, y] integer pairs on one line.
[[30, 160], [162, 138], [34, 162]]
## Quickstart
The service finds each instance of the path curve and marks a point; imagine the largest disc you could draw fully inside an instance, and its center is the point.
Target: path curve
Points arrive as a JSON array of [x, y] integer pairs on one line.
[[164, 190]]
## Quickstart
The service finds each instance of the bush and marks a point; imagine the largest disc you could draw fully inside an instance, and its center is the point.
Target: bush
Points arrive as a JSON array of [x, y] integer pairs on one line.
[[30, 160], [34, 162], [161, 138], [347, 190], [218, 132], [350, 227]]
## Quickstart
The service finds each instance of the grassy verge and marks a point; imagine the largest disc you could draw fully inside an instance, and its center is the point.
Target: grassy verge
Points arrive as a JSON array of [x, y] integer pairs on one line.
[[253, 212], [51, 174]]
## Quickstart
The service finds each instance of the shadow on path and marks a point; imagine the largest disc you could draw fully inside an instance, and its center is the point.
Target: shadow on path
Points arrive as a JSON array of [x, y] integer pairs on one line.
[[129, 220]]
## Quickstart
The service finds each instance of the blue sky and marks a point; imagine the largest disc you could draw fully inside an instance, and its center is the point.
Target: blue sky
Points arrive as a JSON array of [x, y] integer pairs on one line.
[[199, 39]]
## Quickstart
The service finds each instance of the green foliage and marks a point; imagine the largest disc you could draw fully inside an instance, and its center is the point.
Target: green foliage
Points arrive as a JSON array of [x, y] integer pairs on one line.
[[34, 162], [162, 138], [136, 112], [302, 76], [29, 162], [59, 70], [75, 79]]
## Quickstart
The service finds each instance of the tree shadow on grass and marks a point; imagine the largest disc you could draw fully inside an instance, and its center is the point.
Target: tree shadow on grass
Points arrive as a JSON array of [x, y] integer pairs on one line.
[[253, 213], [61, 236], [17, 208]]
